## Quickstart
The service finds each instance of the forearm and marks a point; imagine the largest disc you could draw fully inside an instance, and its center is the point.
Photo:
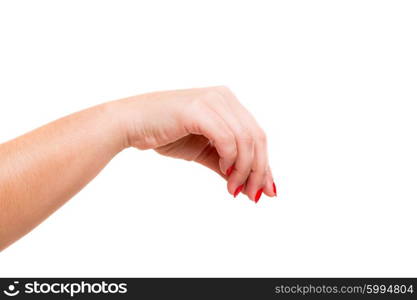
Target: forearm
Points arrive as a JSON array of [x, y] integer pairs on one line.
[[41, 170]]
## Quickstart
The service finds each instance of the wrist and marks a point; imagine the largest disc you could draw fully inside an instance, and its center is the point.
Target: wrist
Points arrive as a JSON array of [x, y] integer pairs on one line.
[[115, 121]]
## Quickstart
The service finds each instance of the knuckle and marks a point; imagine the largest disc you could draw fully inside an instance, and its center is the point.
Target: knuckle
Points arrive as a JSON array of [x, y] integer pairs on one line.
[[259, 169], [212, 95], [226, 93], [226, 146], [222, 89], [261, 136], [230, 151], [229, 155], [224, 140], [245, 138]]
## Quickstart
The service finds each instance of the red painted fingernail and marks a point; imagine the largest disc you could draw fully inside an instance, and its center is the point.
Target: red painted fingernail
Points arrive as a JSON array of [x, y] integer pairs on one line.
[[238, 190], [258, 195], [230, 170], [274, 188]]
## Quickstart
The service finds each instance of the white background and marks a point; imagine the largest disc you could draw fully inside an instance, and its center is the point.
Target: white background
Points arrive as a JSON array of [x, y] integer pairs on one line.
[[333, 83]]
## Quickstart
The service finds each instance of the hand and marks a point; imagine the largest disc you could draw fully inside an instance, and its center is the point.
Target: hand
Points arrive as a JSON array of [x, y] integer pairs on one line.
[[205, 125]]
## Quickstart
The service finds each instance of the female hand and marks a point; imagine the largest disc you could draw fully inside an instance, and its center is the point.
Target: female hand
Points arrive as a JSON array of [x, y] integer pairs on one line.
[[205, 125], [41, 170]]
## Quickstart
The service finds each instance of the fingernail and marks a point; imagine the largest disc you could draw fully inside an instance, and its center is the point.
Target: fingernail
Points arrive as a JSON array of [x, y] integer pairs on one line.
[[274, 188], [258, 195], [238, 190], [230, 170]]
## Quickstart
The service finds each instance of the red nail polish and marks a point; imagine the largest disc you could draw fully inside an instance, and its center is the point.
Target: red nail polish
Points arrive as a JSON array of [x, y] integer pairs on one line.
[[230, 170], [258, 195], [238, 190], [274, 188]]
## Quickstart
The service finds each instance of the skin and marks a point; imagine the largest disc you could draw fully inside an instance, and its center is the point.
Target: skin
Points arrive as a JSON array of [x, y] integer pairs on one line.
[[43, 169]]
